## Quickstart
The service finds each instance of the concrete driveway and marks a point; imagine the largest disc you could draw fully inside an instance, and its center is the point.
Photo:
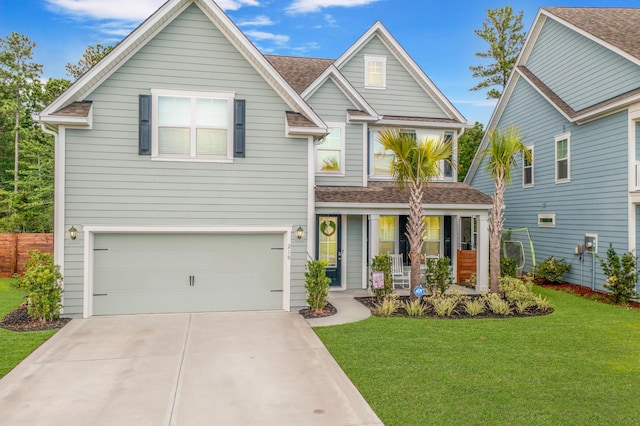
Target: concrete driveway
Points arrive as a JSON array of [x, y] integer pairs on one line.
[[245, 368]]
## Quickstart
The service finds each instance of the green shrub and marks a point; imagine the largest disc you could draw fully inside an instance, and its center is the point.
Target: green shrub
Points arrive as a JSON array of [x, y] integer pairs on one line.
[[317, 284], [438, 275], [552, 269], [382, 263], [508, 267], [388, 307], [443, 306], [415, 308], [43, 283], [523, 305], [621, 273], [542, 303], [516, 289], [497, 304], [474, 306]]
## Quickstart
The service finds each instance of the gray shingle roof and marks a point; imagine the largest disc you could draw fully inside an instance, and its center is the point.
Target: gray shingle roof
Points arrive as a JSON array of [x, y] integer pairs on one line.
[[76, 109], [299, 72], [441, 193], [617, 26]]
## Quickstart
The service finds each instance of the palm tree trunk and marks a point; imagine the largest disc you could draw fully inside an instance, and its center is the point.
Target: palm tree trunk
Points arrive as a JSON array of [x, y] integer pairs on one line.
[[496, 222], [415, 227]]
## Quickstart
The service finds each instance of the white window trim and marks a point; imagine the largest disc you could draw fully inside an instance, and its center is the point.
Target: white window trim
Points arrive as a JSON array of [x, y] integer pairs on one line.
[[229, 96], [381, 59], [341, 170], [551, 216], [421, 133], [533, 179], [559, 138]]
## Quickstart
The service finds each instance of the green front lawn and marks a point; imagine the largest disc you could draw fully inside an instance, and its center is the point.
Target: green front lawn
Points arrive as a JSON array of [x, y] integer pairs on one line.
[[14, 345], [577, 366]]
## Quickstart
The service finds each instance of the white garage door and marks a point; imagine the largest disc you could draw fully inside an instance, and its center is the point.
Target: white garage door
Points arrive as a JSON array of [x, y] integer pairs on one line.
[[161, 273]]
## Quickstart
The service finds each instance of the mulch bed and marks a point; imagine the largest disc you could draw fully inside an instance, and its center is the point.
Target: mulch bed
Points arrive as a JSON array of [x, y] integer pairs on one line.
[[587, 293], [328, 310], [458, 313], [19, 320]]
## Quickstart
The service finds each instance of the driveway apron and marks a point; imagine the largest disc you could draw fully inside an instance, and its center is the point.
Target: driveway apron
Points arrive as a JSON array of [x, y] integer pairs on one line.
[[236, 368]]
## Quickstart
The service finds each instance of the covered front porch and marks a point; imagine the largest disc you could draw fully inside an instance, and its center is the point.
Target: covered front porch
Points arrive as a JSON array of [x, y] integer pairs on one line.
[[456, 226]]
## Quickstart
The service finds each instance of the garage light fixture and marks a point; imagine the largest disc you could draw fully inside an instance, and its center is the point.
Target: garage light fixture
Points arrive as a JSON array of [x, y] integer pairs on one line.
[[299, 232], [73, 232]]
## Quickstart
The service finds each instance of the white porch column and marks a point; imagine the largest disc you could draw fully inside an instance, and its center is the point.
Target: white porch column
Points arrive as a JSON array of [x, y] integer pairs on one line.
[[455, 239], [374, 226], [482, 274]]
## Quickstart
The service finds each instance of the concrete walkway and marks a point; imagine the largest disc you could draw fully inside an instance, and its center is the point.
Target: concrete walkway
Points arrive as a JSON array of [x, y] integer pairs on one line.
[[243, 368]]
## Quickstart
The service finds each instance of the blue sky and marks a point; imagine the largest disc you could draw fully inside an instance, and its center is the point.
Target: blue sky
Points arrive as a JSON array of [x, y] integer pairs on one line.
[[438, 34]]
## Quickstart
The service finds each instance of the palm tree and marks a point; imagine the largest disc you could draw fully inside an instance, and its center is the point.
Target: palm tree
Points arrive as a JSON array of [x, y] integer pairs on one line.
[[501, 156], [415, 163]]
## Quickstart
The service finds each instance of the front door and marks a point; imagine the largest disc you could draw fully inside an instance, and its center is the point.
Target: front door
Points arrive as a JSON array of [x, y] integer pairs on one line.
[[329, 243]]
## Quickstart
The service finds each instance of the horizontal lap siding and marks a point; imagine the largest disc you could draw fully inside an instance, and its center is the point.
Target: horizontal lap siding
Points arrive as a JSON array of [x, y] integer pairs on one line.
[[595, 201], [331, 104], [354, 253], [579, 70], [402, 96], [108, 183]]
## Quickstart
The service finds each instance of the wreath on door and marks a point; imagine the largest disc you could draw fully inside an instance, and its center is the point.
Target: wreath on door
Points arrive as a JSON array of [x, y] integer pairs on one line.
[[328, 227]]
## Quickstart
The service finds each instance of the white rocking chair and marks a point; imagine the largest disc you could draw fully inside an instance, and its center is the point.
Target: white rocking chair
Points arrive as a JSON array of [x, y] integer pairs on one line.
[[397, 272]]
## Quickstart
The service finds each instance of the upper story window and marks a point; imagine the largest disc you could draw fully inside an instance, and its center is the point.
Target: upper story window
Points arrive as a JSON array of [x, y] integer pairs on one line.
[[375, 72], [563, 163], [192, 125], [381, 159], [330, 152], [527, 168]]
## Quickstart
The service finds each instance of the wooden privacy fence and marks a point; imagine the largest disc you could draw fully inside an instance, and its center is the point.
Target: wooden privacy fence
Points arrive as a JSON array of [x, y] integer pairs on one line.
[[14, 250]]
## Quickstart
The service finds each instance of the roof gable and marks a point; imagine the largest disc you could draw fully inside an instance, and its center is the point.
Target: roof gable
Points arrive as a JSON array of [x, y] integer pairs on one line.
[[150, 28], [378, 31]]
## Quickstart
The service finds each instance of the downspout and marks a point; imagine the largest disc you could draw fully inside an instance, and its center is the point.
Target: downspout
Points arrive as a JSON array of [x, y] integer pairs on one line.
[[58, 198]]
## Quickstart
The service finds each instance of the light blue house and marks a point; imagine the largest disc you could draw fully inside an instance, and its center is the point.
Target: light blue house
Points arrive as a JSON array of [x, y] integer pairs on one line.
[[575, 96], [201, 175]]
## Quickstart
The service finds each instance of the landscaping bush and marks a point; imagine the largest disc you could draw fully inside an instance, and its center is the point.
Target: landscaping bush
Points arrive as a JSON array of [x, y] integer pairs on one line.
[[508, 267], [516, 289], [474, 306], [382, 263], [443, 306], [552, 269], [497, 304], [317, 284], [414, 308], [389, 306], [438, 274], [621, 273], [42, 282]]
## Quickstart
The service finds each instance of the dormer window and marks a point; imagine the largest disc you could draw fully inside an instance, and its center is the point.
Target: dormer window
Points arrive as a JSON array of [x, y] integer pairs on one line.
[[375, 72]]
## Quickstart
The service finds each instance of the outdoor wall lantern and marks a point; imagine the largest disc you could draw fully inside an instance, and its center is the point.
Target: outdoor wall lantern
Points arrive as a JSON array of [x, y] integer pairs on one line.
[[73, 232], [299, 232]]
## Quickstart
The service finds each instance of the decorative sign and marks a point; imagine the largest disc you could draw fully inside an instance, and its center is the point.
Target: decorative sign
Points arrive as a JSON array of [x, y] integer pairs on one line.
[[418, 291], [378, 280]]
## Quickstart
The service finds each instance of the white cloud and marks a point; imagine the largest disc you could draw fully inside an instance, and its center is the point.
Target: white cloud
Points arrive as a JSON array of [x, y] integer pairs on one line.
[[258, 21], [491, 103], [125, 10], [261, 35], [305, 6]]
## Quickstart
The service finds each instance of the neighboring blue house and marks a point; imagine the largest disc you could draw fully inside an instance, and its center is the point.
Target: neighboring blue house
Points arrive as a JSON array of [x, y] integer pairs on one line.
[[201, 175], [575, 96]]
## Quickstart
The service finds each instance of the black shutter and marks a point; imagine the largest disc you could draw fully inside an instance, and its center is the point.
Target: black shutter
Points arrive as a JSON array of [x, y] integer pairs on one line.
[[239, 128], [144, 135]]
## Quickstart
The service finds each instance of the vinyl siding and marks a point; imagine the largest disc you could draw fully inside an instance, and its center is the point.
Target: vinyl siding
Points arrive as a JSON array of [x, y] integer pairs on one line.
[[331, 104], [402, 96], [578, 69], [108, 183], [595, 201], [354, 256]]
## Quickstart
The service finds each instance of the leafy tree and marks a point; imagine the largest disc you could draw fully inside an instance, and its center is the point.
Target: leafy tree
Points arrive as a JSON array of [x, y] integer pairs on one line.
[[52, 89], [19, 80], [467, 146], [91, 56], [501, 156], [415, 163], [503, 31]]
